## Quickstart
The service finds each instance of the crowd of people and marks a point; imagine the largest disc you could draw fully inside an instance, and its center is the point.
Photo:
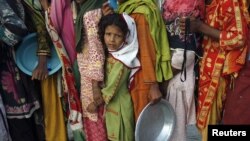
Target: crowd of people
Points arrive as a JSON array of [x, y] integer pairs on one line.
[[193, 53]]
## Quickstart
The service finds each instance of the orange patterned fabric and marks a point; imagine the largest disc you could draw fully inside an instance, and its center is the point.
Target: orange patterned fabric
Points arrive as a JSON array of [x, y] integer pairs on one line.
[[221, 59]]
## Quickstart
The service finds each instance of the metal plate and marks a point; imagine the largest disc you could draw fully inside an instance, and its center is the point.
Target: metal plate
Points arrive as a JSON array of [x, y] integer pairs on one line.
[[156, 122]]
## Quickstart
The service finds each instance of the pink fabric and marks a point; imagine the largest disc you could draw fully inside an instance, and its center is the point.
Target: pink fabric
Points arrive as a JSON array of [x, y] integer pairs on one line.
[[96, 130], [90, 61], [71, 96], [62, 19], [175, 8]]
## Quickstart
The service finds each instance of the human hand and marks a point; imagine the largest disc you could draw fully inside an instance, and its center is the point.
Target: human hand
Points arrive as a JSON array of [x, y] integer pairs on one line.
[[191, 24], [106, 9], [155, 93], [97, 95], [92, 108], [41, 71]]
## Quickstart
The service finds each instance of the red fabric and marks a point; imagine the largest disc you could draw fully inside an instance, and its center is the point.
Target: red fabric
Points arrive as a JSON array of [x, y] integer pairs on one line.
[[62, 18], [177, 8], [95, 131], [70, 92], [222, 58], [238, 100]]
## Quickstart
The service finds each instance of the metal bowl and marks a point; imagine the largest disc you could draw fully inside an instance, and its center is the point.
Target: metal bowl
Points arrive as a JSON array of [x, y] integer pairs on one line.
[[156, 122]]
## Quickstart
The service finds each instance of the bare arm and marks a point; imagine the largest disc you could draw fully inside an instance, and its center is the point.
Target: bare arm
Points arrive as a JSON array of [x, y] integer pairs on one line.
[[41, 71], [155, 94], [106, 9], [196, 25]]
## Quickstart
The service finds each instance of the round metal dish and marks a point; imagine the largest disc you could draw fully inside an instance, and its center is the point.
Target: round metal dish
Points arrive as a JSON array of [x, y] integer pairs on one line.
[[156, 122]]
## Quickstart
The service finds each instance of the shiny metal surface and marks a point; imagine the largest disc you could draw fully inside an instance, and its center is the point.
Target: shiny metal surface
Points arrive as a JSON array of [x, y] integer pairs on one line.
[[156, 122]]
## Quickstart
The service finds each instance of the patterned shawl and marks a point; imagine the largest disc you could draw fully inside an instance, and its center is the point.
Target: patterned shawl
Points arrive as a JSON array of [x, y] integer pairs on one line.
[[71, 95], [85, 7]]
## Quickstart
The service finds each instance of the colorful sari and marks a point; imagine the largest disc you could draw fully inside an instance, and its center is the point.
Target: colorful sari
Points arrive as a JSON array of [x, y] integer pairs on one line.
[[237, 102], [18, 100], [73, 109], [62, 19], [19, 93], [222, 60]]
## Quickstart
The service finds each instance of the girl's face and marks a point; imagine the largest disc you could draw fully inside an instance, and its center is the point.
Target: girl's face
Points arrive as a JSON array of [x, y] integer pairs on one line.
[[113, 37]]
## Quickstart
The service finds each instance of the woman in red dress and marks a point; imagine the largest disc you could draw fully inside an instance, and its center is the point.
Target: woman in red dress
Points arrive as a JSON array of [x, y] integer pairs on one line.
[[225, 49]]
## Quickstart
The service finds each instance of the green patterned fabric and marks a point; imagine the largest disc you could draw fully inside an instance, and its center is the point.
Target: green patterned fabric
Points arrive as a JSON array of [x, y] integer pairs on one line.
[[119, 106], [38, 21]]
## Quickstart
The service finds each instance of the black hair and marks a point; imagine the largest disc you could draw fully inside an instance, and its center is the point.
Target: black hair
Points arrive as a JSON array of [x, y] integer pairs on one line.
[[112, 19]]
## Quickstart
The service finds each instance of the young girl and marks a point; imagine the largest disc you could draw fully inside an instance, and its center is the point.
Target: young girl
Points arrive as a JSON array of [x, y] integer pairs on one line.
[[118, 34]]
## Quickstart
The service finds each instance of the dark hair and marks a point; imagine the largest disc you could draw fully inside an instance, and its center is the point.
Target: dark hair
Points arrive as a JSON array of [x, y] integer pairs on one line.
[[112, 19]]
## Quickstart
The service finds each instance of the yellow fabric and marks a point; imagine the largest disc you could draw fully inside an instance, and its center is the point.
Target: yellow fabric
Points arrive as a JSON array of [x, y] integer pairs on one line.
[[55, 129], [214, 116], [204, 131]]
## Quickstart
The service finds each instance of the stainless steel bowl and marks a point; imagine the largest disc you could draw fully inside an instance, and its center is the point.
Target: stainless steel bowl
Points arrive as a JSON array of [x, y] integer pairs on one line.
[[156, 122]]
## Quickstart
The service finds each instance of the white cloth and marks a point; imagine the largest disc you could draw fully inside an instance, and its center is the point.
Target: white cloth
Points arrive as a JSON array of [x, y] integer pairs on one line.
[[128, 53], [181, 95]]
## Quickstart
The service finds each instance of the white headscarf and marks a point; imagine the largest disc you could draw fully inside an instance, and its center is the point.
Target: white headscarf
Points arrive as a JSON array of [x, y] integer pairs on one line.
[[128, 53]]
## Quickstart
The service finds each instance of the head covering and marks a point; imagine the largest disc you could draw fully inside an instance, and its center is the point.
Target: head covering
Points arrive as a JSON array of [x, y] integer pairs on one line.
[[128, 53], [85, 7]]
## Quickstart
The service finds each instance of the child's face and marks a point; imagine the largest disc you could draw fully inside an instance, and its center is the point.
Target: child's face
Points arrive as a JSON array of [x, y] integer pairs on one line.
[[113, 37]]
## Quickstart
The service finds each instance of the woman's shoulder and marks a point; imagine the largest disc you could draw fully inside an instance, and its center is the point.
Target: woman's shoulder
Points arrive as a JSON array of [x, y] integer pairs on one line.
[[93, 13]]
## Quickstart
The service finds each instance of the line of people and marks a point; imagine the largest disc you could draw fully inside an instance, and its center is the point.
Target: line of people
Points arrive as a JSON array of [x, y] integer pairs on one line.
[[67, 100], [193, 53]]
